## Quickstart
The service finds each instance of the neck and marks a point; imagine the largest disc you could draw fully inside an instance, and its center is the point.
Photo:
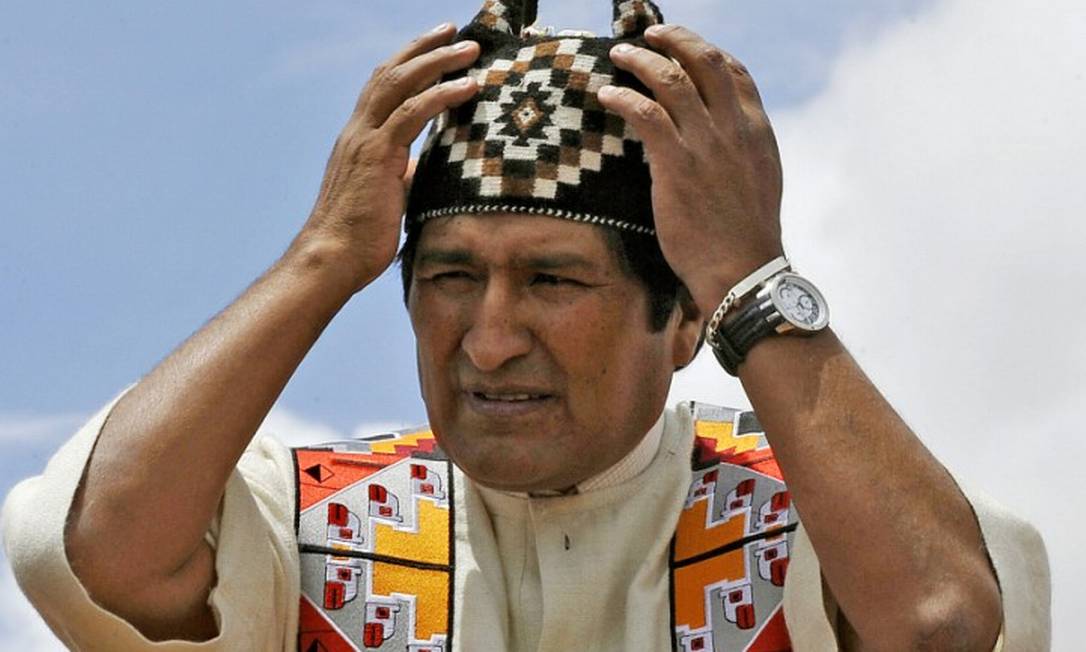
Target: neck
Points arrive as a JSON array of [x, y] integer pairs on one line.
[[632, 464]]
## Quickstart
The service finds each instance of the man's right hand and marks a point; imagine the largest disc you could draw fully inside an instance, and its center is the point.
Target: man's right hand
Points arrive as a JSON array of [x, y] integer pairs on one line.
[[170, 444], [363, 193]]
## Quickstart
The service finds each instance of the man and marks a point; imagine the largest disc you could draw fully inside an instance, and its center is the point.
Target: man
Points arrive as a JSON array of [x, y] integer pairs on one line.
[[547, 336]]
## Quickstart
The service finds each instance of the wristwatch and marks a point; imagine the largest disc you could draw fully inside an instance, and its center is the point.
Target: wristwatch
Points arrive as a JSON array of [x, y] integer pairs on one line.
[[784, 303]]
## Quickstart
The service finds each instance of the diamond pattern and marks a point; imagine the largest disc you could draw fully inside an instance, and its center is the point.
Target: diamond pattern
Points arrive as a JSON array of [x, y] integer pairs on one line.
[[537, 123]]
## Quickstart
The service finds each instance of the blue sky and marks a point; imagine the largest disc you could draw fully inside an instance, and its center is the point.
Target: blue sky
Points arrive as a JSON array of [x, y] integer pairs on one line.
[[155, 158]]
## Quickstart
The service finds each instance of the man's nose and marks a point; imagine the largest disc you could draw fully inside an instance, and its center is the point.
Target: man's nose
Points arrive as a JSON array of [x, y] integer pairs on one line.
[[497, 333]]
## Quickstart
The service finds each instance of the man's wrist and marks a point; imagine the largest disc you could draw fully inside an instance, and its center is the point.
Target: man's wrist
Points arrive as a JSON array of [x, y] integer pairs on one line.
[[711, 288], [772, 300], [326, 264], [739, 291]]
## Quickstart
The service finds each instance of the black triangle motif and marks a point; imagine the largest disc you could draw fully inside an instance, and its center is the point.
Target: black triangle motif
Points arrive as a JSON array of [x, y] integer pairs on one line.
[[319, 472]]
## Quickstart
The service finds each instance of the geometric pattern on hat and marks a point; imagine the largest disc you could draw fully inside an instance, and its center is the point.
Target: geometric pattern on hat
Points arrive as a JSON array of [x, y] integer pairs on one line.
[[535, 139], [537, 123]]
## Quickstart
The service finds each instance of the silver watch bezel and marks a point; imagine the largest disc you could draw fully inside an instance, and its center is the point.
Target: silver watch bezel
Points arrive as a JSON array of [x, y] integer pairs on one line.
[[778, 303]]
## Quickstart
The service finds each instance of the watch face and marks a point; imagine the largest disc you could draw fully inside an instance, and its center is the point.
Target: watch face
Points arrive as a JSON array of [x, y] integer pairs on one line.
[[800, 302]]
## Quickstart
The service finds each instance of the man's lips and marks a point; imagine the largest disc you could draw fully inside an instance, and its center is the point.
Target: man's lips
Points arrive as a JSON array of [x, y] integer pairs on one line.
[[510, 397], [507, 401]]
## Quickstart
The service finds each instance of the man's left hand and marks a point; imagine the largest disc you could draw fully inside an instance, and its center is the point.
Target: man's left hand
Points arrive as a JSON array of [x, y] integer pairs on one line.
[[713, 158]]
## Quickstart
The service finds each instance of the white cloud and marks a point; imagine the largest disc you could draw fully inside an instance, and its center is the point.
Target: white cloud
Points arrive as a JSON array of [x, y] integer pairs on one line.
[[934, 191], [47, 432], [294, 430], [37, 429], [21, 628]]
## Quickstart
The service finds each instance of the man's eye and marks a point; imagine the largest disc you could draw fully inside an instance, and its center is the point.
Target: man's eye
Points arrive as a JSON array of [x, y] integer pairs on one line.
[[454, 280], [551, 279]]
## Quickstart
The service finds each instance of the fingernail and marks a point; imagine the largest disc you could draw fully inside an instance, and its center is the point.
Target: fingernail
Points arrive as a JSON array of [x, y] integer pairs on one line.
[[654, 30], [462, 45], [464, 81], [442, 27], [607, 91], [622, 48]]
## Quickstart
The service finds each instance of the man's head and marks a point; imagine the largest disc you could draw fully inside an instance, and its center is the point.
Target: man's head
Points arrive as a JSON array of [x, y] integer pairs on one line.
[[545, 346], [545, 349]]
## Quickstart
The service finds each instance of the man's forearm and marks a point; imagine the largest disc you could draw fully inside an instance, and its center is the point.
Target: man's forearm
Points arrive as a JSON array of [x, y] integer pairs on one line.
[[165, 453], [898, 543], [153, 483]]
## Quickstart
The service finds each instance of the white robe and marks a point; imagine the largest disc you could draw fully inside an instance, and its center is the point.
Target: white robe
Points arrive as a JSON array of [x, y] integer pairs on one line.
[[563, 592]]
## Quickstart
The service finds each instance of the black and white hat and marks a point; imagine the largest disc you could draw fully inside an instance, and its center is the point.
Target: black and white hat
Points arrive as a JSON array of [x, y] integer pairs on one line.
[[535, 140]]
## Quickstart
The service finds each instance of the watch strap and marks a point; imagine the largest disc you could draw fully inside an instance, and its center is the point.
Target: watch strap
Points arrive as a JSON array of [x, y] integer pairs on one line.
[[755, 318], [744, 287], [726, 354]]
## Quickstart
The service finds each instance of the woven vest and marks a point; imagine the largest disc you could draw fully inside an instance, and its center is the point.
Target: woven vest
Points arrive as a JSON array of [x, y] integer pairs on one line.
[[375, 527]]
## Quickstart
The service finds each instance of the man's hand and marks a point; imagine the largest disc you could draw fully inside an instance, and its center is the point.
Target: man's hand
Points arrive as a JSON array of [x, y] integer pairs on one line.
[[715, 168], [362, 196]]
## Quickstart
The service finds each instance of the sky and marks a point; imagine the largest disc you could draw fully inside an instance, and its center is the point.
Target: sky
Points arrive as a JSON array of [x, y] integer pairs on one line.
[[155, 158]]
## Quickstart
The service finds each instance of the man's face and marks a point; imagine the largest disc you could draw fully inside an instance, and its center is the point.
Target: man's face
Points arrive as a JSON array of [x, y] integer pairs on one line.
[[536, 360]]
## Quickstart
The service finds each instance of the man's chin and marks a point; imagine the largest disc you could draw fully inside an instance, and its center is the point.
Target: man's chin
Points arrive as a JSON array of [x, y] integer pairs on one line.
[[516, 485], [517, 471]]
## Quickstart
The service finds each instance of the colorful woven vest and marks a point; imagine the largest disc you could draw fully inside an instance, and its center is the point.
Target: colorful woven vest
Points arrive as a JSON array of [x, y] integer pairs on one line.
[[375, 529]]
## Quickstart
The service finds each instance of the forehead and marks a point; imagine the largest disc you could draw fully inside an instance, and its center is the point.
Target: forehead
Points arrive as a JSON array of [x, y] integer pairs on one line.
[[507, 238]]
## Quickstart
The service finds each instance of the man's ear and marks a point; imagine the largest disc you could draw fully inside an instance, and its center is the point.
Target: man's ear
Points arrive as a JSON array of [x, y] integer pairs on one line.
[[689, 331]]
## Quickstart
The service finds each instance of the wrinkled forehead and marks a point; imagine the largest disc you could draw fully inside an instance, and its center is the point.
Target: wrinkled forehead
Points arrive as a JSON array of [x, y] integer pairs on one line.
[[511, 238]]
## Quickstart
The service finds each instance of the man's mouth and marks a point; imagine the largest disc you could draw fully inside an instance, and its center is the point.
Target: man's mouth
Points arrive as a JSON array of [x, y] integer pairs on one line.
[[506, 403], [508, 398]]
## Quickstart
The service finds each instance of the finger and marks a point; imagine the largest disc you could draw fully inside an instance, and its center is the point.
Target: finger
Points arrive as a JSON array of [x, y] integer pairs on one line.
[[748, 90], [648, 118], [673, 88], [437, 37], [719, 76], [409, 119], [414, 76]]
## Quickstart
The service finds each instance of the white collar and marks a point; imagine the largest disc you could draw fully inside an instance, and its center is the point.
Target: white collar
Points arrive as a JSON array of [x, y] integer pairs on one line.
[[632, 464], [636, 461]]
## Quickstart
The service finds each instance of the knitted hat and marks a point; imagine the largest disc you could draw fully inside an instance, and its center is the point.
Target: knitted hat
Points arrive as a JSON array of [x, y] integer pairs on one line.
[[535, 139]]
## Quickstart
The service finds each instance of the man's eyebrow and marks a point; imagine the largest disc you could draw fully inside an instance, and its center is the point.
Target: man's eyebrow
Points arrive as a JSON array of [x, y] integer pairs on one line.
[[543, 261], [553, 261], [445, 257]]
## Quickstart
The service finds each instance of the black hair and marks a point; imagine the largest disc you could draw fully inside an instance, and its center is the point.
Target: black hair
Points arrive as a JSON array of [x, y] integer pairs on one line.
[[638, 254]]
